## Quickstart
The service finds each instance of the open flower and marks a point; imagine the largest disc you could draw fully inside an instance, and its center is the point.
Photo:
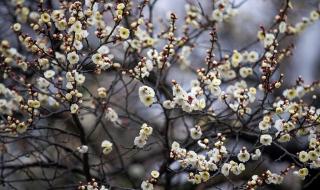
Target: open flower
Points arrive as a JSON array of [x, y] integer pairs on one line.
[[268, 40], [155, 174], [196, 132], [303, 172], [263, 126], [45, 17], [236, 58], [146, 95], [106, 147], [49, 74], [21, 127], [16, 27], [253, 56], [266, 139], [139, 141], [303, 156], [79, 78], [145, 185], [74, 108], [243, 155], [73, 57], [102, 92], [217, 15], [112, 116], [225, 169], [124, 33]]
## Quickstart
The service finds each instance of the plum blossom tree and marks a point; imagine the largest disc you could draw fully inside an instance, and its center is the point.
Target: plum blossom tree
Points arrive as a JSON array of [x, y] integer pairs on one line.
[[91, 97]]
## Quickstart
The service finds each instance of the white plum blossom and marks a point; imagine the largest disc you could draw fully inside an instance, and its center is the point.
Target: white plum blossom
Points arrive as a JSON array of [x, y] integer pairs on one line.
[[49, 74], [73, 57], [124, 33], [83, 149], [269, 39], [112, 116], [303, 156], [266, 139], [145, 132], [196, 132], [106, 147], [145, 185], [225, 169], [146, 95], [264, 126], [243, 155], [79, 78], [256, 155], [74, 108]]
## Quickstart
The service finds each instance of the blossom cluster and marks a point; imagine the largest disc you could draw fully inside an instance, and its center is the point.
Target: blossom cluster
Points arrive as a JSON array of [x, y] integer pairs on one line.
[[141, 140], [188, 101]]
